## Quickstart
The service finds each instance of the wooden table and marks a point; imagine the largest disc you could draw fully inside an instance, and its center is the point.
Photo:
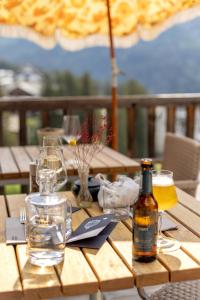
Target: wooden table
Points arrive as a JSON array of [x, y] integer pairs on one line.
[[110, 268], [14, 162]]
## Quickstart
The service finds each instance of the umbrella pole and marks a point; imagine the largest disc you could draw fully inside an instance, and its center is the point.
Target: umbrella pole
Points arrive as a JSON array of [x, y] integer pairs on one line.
[[114, 82]]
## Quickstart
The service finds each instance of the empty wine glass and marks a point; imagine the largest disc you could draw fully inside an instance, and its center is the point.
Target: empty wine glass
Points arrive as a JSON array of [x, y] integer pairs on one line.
[[51, 157], [72, 128]]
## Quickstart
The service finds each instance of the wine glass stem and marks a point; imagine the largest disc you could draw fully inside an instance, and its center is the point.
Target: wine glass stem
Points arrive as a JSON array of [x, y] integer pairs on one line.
[[160, 214]]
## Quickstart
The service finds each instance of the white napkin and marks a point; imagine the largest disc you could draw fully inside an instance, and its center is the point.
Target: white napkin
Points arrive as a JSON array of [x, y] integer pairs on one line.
[[120, 193]]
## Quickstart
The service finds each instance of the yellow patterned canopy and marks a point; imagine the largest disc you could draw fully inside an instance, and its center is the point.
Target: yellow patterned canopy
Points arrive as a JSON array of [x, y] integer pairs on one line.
[[80, 23]]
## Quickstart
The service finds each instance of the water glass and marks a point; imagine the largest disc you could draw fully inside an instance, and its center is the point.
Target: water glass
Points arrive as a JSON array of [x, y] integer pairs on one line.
[[68, 219], [46, 229], [111, 205]]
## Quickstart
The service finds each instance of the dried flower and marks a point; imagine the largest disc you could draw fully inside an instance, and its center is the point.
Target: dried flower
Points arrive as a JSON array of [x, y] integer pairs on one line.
[[89, 146]]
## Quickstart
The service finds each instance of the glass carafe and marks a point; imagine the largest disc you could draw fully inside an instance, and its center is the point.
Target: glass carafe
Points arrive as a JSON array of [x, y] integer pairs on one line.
[[46, 222]]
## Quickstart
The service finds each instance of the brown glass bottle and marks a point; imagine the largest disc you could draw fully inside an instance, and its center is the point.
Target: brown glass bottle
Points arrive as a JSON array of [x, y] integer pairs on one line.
[[33, 186], [145, 218]]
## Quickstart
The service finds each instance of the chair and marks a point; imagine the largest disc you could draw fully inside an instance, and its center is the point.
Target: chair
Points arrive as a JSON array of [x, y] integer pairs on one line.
[[182, 156], [185, 290]]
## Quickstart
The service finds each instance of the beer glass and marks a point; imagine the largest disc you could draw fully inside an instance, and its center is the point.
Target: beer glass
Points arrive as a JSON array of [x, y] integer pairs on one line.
[[164, 192]]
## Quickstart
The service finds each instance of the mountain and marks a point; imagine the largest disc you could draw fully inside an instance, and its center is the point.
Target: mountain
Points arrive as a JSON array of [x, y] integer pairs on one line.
[[169, 64]]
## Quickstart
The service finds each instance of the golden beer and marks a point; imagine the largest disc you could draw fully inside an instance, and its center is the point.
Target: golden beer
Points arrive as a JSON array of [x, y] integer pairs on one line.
[[52, 162], [164, 191]]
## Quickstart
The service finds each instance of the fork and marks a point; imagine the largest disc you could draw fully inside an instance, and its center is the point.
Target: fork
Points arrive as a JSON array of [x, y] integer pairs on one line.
[[22, 215]]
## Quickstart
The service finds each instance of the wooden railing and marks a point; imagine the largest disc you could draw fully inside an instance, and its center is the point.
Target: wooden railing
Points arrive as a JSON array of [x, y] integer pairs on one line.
[[90, 104]]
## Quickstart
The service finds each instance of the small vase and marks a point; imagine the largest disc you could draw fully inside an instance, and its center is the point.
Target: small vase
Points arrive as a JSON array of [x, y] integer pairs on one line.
[[84, 198]]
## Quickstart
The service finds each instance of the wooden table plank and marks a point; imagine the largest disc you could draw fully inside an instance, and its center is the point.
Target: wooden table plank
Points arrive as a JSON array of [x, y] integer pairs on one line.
[[14, 162], [177, 262], [37, 282], [75, 274], [97, 165], [80, 274], [127, 162], [40, 282], [110, 162], [22, 159], [128, 223], [74, 261], [112, 263], [186, 217], [180, 265], [121, 240], [188, 201], [10, 284], [8, 166], [33, 152], [106, 264], [190, 243], [109, 268], [68, 156], [3, 215]]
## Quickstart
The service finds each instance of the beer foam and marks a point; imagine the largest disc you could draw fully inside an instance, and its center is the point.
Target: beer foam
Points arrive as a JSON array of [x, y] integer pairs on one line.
[[162, 181]]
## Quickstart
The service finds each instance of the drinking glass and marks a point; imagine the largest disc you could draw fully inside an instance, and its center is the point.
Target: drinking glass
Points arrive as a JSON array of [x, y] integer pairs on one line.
[[113, 205], [54, 141], [46, 222], [51, 158], [165, 194], [68, 219], [72, 128], [46, 231]]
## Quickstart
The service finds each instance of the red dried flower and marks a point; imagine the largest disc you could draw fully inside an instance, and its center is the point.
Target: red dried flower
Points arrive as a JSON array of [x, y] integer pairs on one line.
[[90, 145]]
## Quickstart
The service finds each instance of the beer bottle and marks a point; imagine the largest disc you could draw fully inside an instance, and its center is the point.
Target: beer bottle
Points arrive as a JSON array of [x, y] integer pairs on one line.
[[145, 218]]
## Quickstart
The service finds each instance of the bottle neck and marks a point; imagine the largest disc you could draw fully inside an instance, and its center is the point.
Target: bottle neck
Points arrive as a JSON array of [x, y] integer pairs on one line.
[[47, 181], [46, 188], [83, 175], [146, 181]]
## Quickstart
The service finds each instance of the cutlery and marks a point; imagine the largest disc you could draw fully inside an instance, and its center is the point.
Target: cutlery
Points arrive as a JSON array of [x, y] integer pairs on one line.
[[22, 215]]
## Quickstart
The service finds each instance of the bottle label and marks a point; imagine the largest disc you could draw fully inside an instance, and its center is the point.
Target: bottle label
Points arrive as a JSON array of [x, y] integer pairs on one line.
[[147, 182], [145, 233]]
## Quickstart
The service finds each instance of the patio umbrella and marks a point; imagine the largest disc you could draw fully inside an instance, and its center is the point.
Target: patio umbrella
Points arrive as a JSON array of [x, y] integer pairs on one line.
[[76, 24]]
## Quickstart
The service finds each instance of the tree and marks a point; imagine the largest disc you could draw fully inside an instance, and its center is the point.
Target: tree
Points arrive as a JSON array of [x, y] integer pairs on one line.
[[47, 85], [131, 87], [86, 85], [71, 84]]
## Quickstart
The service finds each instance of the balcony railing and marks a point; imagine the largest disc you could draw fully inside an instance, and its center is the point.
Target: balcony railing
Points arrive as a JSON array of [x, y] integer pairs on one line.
[[90, 104]]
